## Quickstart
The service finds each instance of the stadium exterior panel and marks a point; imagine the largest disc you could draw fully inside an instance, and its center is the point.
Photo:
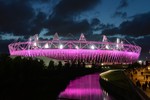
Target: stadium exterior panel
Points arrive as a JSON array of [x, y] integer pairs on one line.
[[81, 50]]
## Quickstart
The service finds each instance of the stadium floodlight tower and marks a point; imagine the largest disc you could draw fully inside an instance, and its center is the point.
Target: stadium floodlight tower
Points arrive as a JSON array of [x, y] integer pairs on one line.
[[82, 50]]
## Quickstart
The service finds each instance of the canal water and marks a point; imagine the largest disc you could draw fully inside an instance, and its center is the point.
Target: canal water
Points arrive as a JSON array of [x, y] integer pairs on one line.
[[85, 88]]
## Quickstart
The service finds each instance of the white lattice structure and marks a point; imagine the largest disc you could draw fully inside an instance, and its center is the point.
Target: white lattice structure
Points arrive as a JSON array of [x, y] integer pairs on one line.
[[104, 52]]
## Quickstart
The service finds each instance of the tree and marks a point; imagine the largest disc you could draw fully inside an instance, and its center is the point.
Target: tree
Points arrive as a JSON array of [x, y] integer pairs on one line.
[[59, 64], [51, 65]]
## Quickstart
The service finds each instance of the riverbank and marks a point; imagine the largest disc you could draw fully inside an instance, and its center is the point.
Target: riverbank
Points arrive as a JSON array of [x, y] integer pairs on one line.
[[117, 84], [29, 79], [141, 78], [43, 88]]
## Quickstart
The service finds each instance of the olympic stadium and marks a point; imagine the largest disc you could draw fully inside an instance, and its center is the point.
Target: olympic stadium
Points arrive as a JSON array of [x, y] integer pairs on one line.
[[103, 51]]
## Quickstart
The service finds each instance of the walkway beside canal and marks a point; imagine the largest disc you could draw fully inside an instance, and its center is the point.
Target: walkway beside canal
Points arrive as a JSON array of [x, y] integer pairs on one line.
[[141, 78], [120, 86]]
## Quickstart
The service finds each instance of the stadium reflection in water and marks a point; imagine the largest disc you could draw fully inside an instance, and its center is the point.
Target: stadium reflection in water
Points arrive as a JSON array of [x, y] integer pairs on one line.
[[85, 88]]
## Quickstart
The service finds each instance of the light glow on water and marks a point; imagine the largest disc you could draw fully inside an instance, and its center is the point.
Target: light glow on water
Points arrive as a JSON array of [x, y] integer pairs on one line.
[[85, 88]]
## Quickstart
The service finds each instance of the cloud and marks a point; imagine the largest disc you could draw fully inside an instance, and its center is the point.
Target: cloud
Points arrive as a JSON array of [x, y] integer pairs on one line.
[[97, 25], [138, 26], [63, 16], [123, 4], [120, 14], [144, 43], [21, 17], [137, 29], [67, 8], [38, 23], [18, 17], [64, 27], [15, 16]]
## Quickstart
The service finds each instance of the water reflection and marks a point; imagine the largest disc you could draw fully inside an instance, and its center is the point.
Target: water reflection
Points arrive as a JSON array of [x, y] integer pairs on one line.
[[85, 88]]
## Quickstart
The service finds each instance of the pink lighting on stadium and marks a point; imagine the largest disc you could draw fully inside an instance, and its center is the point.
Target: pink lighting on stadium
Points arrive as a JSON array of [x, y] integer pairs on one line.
[[99, 51]]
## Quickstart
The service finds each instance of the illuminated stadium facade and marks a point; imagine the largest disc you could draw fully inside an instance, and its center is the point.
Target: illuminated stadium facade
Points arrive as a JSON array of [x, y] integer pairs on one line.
[[82, 50]]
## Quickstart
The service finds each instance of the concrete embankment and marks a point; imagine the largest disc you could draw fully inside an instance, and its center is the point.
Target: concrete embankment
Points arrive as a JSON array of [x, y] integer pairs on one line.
[[116, 83]]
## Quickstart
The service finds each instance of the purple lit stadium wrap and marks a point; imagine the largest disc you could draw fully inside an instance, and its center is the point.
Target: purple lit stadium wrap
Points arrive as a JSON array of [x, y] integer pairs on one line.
[[83, 50]]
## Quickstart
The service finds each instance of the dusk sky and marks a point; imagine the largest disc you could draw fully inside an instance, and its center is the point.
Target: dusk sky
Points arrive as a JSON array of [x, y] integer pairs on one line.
[[126, 19]]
